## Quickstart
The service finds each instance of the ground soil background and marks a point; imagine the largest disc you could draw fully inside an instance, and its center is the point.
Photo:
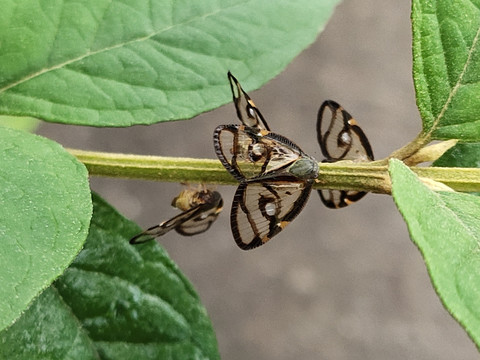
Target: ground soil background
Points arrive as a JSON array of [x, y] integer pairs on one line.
[[336, 284]]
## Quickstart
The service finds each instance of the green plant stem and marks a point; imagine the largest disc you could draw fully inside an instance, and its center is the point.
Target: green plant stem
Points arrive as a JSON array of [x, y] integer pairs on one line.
[[409, 150], [340, 175]]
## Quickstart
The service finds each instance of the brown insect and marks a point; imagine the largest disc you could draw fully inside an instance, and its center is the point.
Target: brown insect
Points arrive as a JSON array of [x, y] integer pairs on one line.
[[200, 208]]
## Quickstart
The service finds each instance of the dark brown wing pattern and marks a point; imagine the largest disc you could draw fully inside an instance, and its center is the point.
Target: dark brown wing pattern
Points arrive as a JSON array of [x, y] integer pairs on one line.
[[276, 176], [261, 210], [340, 138], [247, 112], [249, 154]]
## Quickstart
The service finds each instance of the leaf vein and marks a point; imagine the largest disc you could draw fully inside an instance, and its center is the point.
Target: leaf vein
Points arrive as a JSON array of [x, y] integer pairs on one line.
[[113, 47], [457, 86]]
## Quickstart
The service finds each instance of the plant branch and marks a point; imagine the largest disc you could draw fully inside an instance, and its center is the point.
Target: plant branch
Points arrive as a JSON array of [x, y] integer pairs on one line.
[[408, 150], [340, 175]]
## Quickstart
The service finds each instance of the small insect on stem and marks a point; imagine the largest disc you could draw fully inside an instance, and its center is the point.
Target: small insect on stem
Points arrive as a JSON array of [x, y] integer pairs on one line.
[[200, 207], [275, 175]]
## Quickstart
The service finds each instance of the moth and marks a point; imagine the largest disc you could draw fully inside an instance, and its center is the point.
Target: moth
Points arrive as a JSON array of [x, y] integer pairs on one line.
[[275, 175], [341, 138], [200, 208]]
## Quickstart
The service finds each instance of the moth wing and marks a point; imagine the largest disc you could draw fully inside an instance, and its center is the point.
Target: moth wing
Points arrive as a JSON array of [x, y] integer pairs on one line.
[[335, 199], [195, 220], [247, 112], [339, 136], [164, 227], [203, 218], [282, 153], [250, 154], [262, 210]]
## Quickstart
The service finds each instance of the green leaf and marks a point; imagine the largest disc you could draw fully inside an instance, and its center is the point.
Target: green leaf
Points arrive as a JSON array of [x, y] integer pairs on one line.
[[45, 209], [446, 228], [461, 155], [47, 330], [20, 123], [131, 302], [446, 67], [124, 62]]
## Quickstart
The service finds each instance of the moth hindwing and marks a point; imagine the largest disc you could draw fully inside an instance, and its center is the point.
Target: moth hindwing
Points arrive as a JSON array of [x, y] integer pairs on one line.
[[200, 209], [260, 210], [340, 138]]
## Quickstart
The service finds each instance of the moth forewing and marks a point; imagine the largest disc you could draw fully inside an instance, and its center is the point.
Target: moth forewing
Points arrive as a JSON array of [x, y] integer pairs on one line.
[[333, 131], [339, 135], [164, 227], [280, 154], [239, 151], [341, 138], [261, 210], [361, 150], [247, 112]]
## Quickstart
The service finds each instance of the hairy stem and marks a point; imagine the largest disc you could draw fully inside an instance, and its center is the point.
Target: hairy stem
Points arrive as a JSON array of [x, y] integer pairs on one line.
[[408, 150], [340, 175]]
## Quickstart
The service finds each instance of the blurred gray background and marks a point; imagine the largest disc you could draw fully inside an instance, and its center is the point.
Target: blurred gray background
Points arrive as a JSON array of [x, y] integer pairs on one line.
[[336, 284]]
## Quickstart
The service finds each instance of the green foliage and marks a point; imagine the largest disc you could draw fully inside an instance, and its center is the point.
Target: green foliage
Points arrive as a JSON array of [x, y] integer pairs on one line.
[[461, 155], [44, 217], [446, 228], [116, 301], [20, 123], [445, 225], [47, 330], [119, 63], [113, 63], [446, 67]]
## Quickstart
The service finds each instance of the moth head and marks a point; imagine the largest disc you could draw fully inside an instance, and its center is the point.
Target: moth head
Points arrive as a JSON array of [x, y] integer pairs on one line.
[[185, 200], [304, 168]]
